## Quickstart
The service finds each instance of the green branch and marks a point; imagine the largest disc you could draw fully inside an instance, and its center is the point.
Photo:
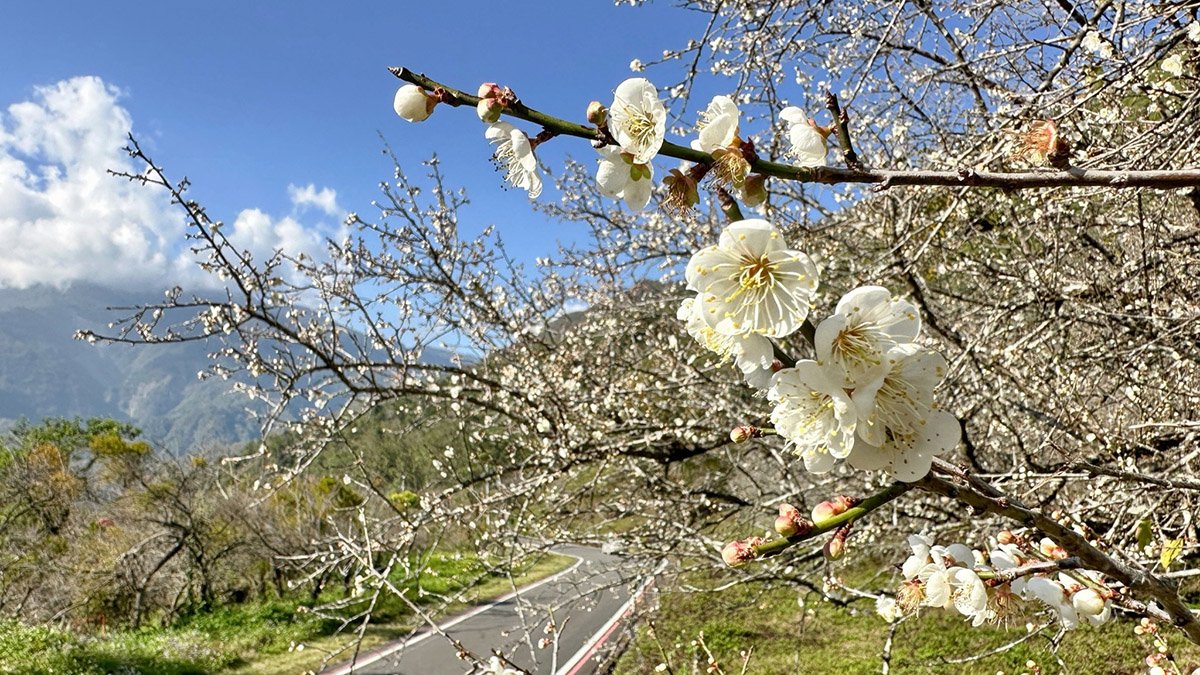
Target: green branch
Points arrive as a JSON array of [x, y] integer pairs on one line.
[[777, 546]]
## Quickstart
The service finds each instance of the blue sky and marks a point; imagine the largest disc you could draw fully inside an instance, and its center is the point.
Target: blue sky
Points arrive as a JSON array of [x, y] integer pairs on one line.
[[247, 98]]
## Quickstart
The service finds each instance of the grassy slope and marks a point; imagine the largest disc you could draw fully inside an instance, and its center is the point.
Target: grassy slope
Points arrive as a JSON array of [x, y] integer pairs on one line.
[[824, 638], [251, 639]]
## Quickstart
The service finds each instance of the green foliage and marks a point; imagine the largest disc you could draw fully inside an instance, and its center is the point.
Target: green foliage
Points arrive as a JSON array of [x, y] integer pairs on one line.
[[821, 637]]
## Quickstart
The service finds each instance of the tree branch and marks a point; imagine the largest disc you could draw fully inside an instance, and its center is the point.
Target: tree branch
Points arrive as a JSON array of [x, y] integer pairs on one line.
[[965, 177], [981, 496]]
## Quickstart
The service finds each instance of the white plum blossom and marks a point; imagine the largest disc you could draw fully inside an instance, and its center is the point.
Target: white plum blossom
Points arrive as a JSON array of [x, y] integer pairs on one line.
[[970, 596], [754, 354], [867, 323], [496, 667], [1054, 595], [938, 580], [718, 125], [637, 119], [814, 414], [755, 357], [1097, 45], [620, 177], [908, 457], [514, 154], [809, 143], [1193, 31], [413, 103], [901, 397], [887, 608], [690, 313], [750, 282], [1173, 65], [920, 557]]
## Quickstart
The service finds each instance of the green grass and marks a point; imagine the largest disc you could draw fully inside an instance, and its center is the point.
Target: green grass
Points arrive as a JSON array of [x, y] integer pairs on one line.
[[255, 638], [821, 637]]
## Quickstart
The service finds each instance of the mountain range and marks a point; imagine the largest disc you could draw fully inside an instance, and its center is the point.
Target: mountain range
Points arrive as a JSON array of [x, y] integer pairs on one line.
[[46, 372]]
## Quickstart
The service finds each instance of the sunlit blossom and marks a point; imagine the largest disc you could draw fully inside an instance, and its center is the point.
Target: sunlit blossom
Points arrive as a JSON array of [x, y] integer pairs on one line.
[[620, 177], [908, 457], [1173, 65], [899, 398], [809, 142], [718, 125], [750, 282], [514, 155], [970, 596], [867, 323], [637, 119], [753, 354], [814, 414]]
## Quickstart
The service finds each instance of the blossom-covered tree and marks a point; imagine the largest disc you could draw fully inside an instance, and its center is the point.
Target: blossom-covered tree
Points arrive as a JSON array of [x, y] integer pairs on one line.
[[982, 307]]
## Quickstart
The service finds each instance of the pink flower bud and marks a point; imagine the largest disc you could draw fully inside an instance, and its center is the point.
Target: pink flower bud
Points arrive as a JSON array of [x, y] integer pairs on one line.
[[1051, 550], [823, 511], [489, 90], [834, 548], [743, 433], [842, 503], [489, 109], [1007, 537], [740, 551], [790, 523]]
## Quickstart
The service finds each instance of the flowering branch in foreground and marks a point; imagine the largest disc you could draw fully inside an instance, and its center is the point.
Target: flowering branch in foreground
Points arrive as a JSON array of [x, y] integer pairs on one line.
[[883, 178], [980, 495]]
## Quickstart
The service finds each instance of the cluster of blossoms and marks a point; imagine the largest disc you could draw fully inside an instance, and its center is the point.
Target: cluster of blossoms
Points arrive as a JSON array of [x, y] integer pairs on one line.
[[636, 125], [990, 587], [867, 397]]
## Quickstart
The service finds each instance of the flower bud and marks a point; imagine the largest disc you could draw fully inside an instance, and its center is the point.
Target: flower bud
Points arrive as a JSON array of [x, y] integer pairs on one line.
[[489, 90], [413, 103], [1088, 602], [823, 511], [834, 507], [740, 551], [596, 113], [1051, 550], [1006, 537], [834, 548], [842, 503], [754, 190], [743, 433], [489, 109], [790, 523]]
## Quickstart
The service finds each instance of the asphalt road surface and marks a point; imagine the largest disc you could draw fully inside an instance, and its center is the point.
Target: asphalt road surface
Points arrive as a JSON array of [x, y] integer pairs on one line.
[[585, 600]]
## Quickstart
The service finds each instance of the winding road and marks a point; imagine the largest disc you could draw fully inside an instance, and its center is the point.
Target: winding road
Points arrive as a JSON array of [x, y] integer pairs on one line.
[[586, 601]]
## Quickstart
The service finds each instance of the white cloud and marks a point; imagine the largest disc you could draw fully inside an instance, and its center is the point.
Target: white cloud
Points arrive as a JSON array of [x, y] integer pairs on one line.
[[258, 233], [324, 199], [63, 218]]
